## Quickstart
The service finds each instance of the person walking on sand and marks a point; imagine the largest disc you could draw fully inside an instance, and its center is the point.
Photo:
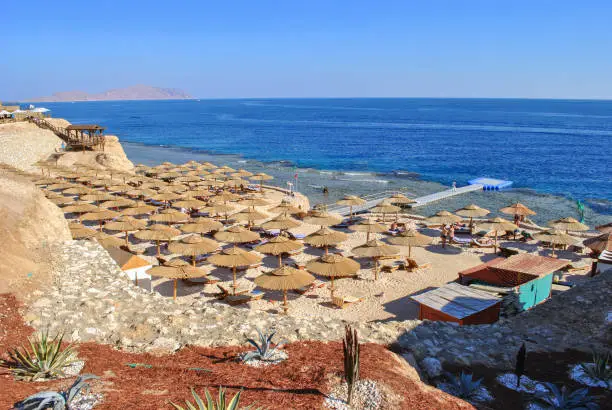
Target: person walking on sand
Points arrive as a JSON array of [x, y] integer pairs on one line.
[[454, 186], [443, 235]]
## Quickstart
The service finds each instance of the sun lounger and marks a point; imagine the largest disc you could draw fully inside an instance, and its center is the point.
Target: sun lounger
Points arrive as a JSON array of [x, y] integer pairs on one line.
[[272, 232], [296, 236], [234, 300], [413, 264], [474, 243], [314, 285], [253, 245], [392, 267], [344, 301], [458, 240], [224, 292]]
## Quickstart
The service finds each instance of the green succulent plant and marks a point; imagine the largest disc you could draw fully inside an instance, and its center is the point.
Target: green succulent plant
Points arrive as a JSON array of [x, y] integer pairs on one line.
[[600, 368], [222, 402], [463, 386], [564, 399], [61, 400], [264, 349], [45, 358]]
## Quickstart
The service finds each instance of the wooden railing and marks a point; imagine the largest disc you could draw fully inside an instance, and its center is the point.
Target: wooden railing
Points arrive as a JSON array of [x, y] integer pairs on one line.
[[71, 141]]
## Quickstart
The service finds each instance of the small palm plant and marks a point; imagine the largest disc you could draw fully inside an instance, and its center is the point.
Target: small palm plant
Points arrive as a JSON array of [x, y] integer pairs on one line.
[[350, 348], [264, 350], [61, 400], [463, 386], [599, 368], [220, 404], [564, 399], [44, 360]]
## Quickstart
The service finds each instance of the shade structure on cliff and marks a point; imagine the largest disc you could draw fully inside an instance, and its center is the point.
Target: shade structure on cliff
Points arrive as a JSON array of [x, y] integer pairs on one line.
[[193, 245], [325, 237], [497, 225], [568, 224], [410, 238], [281, 222], [443, 218], [176, 270], [555, 237], [607, 228], [201, 225], [517, 209], [375, 249], [323, 218], [236, 234], [158, 235], [100, 216], [351, 201], [126, 224], [234, 258], [284, 278], [600, 243], [279, 245], [170, 216], [333, 266], [368, 226], [398, 198]]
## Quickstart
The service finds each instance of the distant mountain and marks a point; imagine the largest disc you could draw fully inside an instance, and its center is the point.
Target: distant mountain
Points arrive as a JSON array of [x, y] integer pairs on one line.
[[137, 92]]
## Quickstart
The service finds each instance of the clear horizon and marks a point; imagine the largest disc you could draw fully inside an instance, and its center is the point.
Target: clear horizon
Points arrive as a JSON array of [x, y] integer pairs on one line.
[[272, 49]]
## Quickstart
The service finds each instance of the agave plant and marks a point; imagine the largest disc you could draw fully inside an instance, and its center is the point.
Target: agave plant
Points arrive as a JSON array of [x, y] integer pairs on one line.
[[599, 368], [220, 404], [44, 360], [61, 400], [463, 386], [263, 348], [565, 399]]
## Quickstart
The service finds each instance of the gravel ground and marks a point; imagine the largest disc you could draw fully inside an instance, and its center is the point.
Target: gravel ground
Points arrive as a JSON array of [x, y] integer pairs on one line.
[[14, 150], [366, 396]]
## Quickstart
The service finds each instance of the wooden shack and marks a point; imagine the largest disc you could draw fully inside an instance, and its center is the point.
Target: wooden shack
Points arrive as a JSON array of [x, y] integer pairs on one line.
[[460, 304], [531, 276], [85, 136]]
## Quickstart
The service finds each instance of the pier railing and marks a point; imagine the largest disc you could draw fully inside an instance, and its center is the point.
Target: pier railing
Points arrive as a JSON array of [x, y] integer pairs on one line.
[[71, 141]]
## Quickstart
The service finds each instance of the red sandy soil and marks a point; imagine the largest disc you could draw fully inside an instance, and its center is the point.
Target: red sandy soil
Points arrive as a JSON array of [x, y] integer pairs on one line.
[[300, 382]]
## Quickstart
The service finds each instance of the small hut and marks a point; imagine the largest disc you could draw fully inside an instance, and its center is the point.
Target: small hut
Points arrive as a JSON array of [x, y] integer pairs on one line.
[[86, 136]]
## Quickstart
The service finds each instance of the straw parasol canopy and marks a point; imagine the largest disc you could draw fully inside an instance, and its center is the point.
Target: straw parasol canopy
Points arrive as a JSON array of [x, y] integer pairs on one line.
[[233, 258], [218, 209], [227, 196], [193, 245], [108, 241], [443, 218], [98, 197], [385, 208], [79, 231], [375, 249], [277, 246], [410, 238], [140, 208], [472, 211], [253, 202], [201, 225], [399, 198], [160, 233], [351, 201], [78, 190], [80, 208], [568, 224], [60, 200], [555, 237], [322, 218], [176, 270], [236, 234], [126, 224], [250, 215], [325, 237], [284, 278], [170, 216], [100, 216], [281, 222], [166, 196], [600, 243], [118, 203], [517, 209], [369, 226], [497, 225], [607, 228], [333, 266], [190, 204], [285, 207]]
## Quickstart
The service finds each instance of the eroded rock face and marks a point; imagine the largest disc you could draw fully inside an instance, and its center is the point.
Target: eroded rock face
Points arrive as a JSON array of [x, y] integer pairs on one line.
[[29, 225], [113, 157]]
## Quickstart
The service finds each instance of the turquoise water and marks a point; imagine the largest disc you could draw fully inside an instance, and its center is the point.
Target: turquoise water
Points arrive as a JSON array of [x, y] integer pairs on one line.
[[549, 146]]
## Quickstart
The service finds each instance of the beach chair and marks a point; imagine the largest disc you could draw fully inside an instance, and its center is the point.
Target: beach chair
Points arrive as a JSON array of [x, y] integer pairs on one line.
[[296, 236], [314, 285], [457, 240], [413, 264], [224, 292], [344, 301], [234, 300], [391, 267], [474, 243]]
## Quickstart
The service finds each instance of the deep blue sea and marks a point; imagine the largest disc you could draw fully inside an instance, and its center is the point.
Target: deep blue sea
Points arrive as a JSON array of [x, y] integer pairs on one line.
[[551, 146]]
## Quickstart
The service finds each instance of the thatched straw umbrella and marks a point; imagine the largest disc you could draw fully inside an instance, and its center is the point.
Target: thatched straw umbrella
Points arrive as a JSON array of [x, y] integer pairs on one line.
[[351, 201], [607, 228], [236, 234], [201, 225], [139, 208], [333, 266], [568, 224], [166, 197], [176, 270], [518, 210], [261, 177], [118, 203], [78, 190], [160, 233], [600, 243], [234, 258], [225, 197], [286, 208], [325, 237], [443, 218], [61, 200], [277, 246], [190, 204], [284, 278], [100, 216], [399, 198], [385, 208], [555, 237], [193, 245], [242, 173], [410, 238], [281, 222], [80, 208], [375, 249], [249, 215], [126, 224], [368, 226], [472, 211], [322, 218], [108, 241], [497, 225], [253, 202], [218, 209], [98, 197], [80, 231], [170, 216]]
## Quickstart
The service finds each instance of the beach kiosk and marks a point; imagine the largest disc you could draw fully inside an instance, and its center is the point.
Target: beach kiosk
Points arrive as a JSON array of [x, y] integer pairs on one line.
[[459, 304], [134, 266], [529, 276]]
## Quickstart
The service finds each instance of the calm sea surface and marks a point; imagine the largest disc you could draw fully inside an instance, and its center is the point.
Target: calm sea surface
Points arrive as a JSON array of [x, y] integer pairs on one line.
[[552, 147]]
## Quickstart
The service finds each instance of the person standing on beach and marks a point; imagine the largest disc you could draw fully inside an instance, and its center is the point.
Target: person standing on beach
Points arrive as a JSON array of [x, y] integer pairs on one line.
[[443, 235], [454, 185]]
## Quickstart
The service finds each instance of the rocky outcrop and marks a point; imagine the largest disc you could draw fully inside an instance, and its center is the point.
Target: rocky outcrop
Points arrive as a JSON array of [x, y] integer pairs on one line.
[[29, 225], [22, 144], [113, 157]]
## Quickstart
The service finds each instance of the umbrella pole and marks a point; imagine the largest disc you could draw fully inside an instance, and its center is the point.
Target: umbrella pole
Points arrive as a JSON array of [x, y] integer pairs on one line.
[[350, 213], [158, 252], [126, 239], [375, 268], [332, 288], [552, 244], [234, 278], [326, 250], [409, 251], [285, 307], [174, 297], [495, 245], [280, 260], [193, 258]]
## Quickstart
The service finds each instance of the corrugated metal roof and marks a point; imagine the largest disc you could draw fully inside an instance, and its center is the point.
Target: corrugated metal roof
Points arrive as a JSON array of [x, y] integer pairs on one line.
[[457, 300], [530, 264]]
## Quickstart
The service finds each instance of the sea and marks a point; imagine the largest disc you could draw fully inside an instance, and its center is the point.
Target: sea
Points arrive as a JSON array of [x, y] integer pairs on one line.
[[556, 152]]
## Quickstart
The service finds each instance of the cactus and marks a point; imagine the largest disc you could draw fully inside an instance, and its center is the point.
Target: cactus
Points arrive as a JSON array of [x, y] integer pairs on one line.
[[350, 347]]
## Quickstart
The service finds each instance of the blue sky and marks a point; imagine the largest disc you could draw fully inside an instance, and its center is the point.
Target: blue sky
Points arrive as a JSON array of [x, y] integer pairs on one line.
[[290, 48]]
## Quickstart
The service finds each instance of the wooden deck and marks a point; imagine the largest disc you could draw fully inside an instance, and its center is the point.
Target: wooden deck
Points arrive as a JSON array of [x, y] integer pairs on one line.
[[95, 143]]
